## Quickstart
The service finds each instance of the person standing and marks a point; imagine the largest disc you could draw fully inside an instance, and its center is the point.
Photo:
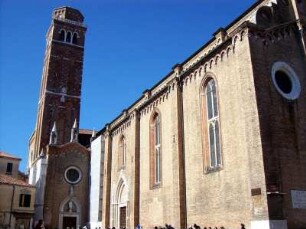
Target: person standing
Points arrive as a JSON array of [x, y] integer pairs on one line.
[[40, 224]]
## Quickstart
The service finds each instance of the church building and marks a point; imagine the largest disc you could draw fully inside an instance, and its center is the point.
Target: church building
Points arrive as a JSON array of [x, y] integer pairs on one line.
[[220, 140], [59, 152]]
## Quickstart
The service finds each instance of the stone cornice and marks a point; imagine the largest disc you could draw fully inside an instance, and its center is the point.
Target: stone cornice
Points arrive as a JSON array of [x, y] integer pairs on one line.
[[151, 98], [215, 50], [274, 34]]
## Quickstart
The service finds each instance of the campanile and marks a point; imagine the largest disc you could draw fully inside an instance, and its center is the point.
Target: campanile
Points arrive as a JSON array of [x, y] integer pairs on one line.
[[54, 150], [60, 93]]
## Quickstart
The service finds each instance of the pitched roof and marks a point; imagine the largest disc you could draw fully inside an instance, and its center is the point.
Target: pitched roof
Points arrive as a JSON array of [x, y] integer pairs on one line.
[[85, 131], [6, 155], [5, 179]]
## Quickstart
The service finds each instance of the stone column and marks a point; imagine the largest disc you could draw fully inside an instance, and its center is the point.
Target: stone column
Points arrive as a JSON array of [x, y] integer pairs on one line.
[[136, 119], [180, 145]]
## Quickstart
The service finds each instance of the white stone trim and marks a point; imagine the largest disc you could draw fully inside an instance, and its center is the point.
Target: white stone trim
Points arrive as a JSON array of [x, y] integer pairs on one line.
[[62, 94], [120, 199], [96, 169], [296, 86], [63, 214], [73, 182]]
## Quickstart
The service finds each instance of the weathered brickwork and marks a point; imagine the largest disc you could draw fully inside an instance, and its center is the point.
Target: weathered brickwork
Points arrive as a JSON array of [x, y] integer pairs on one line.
[[60, 91], [282, 122], [58, 190], [262, 134]]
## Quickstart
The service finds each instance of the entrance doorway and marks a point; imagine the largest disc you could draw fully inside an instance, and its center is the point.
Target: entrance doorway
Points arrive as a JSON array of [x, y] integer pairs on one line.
[[123, 217], [120, 207], [69, 222]]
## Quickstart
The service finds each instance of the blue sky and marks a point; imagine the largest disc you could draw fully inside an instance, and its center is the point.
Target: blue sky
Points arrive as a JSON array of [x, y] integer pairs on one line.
[[130, 45]]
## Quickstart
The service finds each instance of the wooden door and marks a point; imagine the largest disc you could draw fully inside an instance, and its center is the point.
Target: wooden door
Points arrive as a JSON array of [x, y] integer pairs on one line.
[[122, 217], [69, 222]]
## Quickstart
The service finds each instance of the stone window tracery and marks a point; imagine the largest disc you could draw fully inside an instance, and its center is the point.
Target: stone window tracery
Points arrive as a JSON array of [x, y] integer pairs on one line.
[[211, 126], [155, 150]]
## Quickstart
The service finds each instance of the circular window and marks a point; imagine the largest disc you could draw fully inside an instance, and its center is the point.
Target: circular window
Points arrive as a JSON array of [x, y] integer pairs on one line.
[[285, 80], [73, 175]]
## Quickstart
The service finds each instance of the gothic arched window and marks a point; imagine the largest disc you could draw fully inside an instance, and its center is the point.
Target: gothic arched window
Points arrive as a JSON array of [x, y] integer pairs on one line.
[[122, 152], [62, 35], [75, 38], [155, 150], [211, 126], [68, 37]]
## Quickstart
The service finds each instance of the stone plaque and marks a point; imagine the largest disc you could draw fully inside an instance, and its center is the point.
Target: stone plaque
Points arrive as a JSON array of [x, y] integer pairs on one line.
[[298, 199]]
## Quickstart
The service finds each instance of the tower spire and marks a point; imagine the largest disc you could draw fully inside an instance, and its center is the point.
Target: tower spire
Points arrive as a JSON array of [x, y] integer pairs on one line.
[[93, 135], [74, 132], [53, 135]]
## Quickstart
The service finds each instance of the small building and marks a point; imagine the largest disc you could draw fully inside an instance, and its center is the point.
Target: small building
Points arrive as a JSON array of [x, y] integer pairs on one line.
[[16, 195], [9, 164]]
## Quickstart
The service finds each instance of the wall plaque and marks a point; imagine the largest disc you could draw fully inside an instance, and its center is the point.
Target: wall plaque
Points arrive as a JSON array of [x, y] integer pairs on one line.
[[298, 199]]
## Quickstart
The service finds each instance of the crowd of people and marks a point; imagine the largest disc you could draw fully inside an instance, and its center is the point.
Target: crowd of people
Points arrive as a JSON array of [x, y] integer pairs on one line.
[[195, 226], [40, 225]]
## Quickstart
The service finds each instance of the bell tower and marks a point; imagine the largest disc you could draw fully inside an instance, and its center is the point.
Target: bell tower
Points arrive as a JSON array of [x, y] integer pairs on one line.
[[60, 92]]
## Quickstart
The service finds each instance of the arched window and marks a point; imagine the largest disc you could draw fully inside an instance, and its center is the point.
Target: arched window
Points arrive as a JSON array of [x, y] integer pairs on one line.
[[212, 145], [62, 35], [155, 148], [75, 38], [122, 152], [68, 38]]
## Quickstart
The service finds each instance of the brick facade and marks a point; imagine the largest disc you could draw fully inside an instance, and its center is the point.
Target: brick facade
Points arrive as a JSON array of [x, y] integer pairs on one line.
[[262, 134]]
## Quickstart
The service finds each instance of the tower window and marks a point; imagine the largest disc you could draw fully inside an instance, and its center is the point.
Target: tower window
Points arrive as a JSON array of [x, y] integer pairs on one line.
[[68, 38], [62, 35], [75, 38]]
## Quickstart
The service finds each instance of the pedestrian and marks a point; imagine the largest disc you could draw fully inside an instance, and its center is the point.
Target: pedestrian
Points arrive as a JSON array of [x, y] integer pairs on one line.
[[40, 224]]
